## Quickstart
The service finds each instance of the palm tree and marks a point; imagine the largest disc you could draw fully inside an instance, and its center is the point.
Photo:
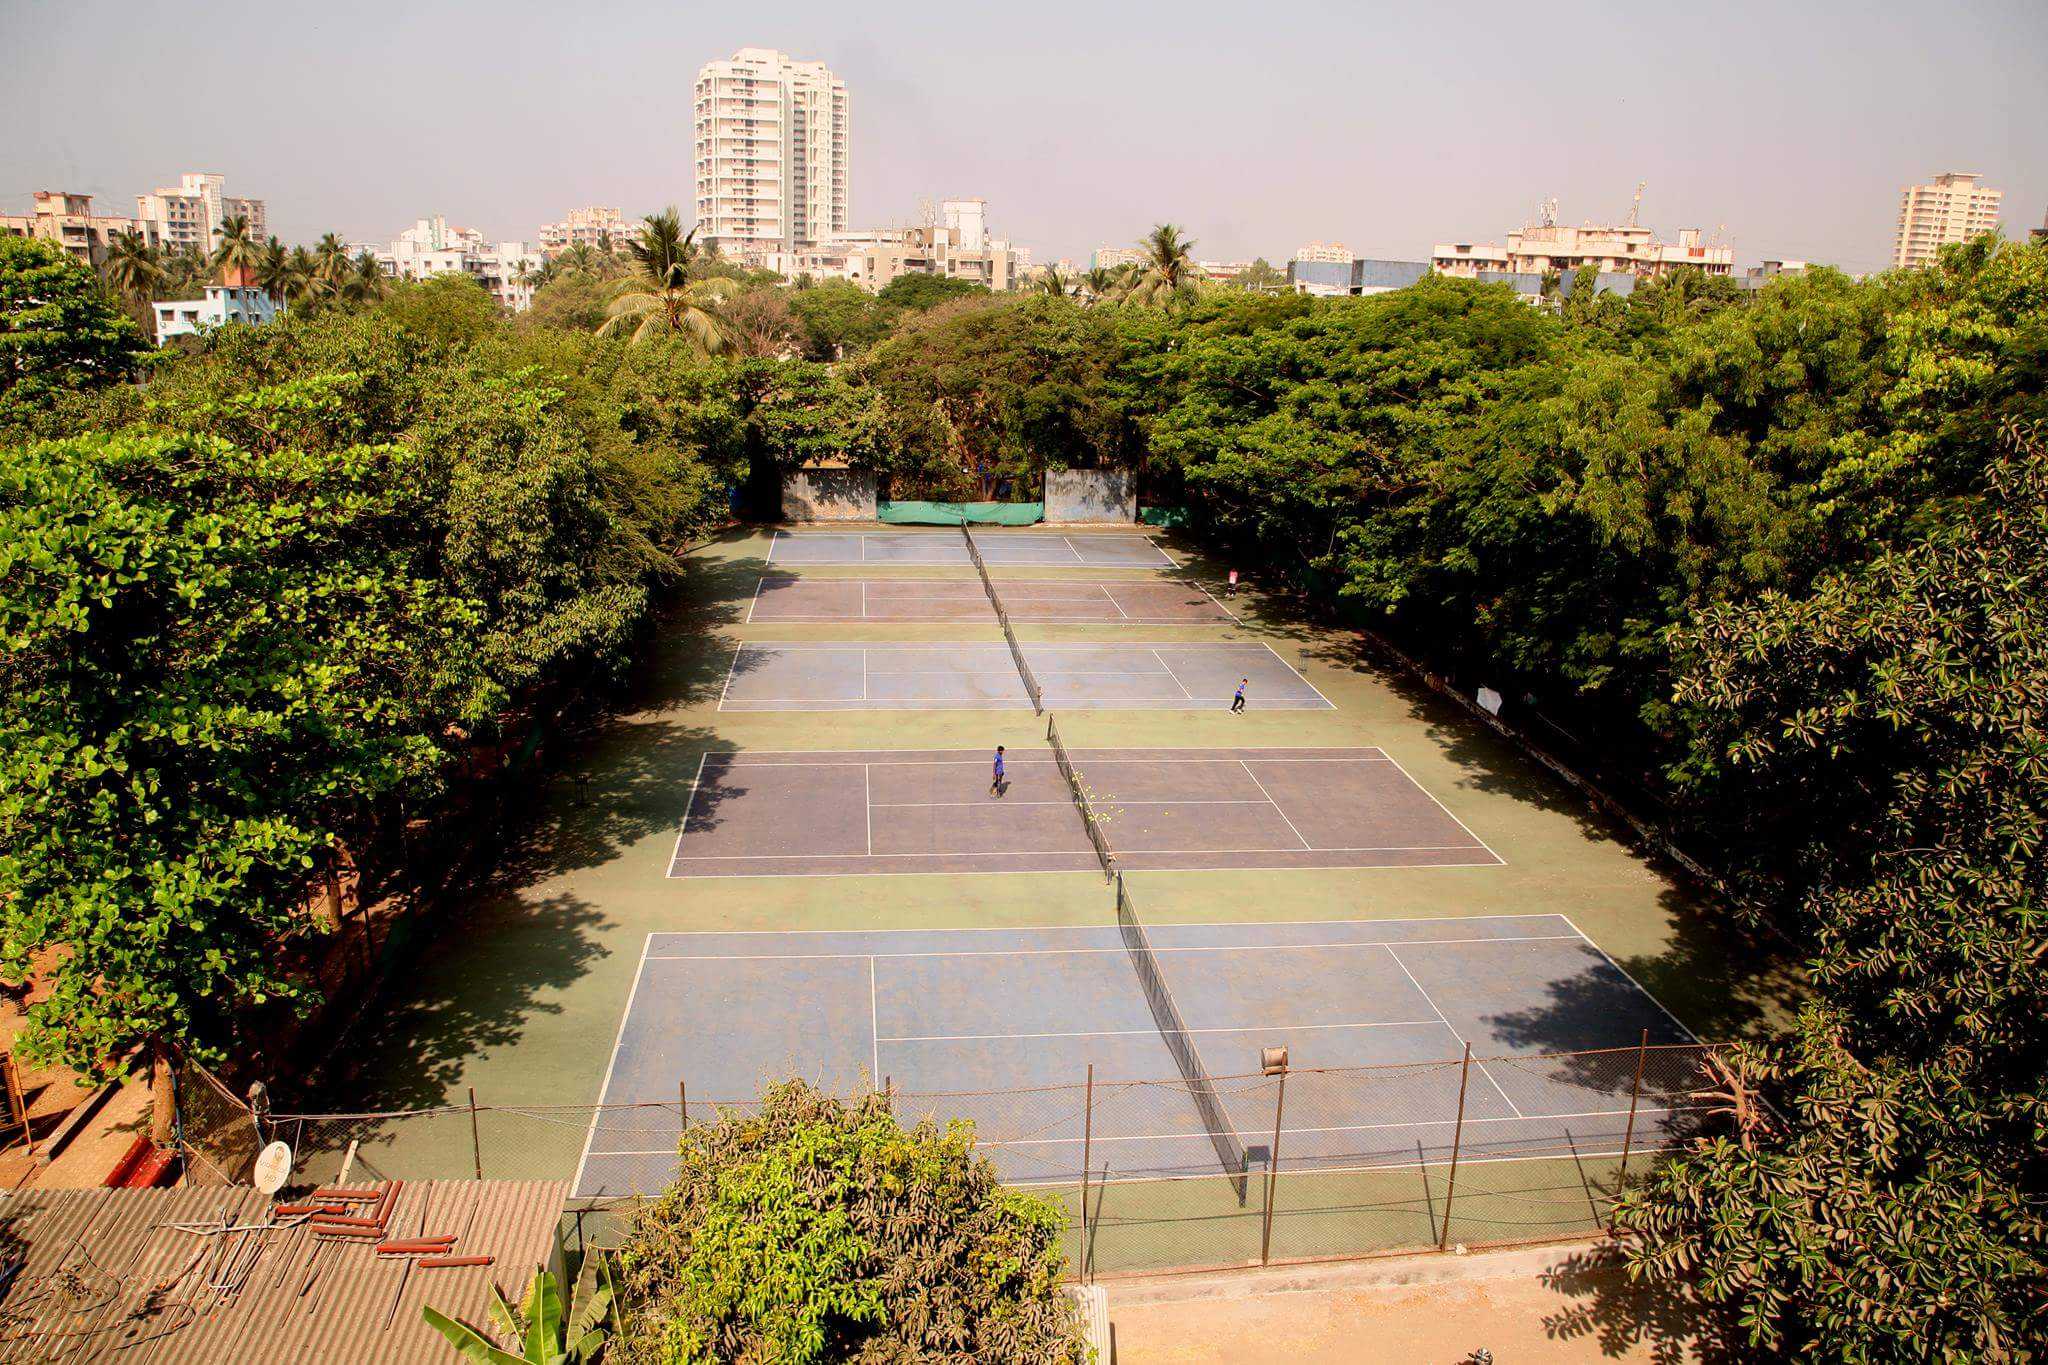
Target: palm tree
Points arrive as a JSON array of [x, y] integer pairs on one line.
[[364, 280], [308, 289], [1053, 283], [1098, 282], [1166, 269], [667, 302], [579, 258], [235, 252], [132, 265], [274, 271], [331, 260]]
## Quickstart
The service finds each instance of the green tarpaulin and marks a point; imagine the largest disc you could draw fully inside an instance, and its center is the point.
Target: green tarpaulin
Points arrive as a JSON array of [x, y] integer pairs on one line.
[[1163, 516], [956, 513]]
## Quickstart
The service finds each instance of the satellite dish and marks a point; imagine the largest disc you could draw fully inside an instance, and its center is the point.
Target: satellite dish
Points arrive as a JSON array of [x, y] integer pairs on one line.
[[273, 1167]]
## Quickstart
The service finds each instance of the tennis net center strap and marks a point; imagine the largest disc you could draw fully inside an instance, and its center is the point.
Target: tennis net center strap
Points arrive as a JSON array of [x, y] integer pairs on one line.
[[1174, 1029], [1031, 687], [1080, 794]]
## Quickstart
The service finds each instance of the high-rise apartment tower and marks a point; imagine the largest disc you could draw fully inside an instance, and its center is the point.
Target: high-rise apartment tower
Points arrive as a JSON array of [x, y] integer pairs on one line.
[[772, 143], [1954, 208]]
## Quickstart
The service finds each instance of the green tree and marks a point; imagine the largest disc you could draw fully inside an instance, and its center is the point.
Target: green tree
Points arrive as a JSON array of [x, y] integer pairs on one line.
[[234, 249], [331, 262], [132, 267], [543, 1333], [1166, 271], [216, 653], [667, 299], [1889, 1200], [572, 300], [1051, 281], [364, 280], [275, 274], [60, 329], [819, 1231], [921, 293], [840, 319]]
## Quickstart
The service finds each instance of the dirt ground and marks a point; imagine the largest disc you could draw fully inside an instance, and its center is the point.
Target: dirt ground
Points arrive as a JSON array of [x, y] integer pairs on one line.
[[1526, 1306]]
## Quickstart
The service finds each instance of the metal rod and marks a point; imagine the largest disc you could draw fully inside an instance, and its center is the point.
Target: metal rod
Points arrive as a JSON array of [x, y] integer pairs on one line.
[[1087, 1155], [1457, 1143], [683, 1103], [476, 1141], [1628, 1136], [1272, 1173]]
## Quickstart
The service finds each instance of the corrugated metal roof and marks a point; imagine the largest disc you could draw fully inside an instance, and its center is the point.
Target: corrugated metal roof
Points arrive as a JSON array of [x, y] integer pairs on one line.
[[107, 1274]]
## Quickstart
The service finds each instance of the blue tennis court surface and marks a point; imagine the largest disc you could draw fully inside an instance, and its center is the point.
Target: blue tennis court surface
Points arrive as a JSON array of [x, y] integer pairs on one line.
[[959, 1022]]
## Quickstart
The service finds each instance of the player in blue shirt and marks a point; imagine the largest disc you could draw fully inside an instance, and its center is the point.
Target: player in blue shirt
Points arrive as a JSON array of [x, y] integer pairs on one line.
[[1237, 702], [995, 787]]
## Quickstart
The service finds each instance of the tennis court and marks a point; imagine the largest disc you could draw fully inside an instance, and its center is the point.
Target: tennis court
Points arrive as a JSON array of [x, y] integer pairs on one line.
[[917, 676], [845, 813], [963, 1022], [789, 598], [1043, 548]]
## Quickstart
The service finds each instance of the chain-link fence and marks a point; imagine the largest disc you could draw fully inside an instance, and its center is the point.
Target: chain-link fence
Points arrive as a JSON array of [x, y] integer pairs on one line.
[[1339, 1163]]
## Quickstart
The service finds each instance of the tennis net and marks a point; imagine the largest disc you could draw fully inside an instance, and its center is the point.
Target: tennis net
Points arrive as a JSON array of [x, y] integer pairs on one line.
[[1003, 619], [1080, 795], [1166, 1014]]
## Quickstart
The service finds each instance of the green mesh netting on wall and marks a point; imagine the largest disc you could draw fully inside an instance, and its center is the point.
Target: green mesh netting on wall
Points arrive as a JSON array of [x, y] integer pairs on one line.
[[955, 513], [1168, 517]]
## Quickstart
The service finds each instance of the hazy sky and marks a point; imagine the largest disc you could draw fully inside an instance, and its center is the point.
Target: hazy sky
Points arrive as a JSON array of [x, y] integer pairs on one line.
[[1790, 125]]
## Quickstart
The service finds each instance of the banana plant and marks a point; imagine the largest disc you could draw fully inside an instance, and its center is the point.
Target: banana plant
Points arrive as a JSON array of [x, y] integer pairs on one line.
[[539, 1328]]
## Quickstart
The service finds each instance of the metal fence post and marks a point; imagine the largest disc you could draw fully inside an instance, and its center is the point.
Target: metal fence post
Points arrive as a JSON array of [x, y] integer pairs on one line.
[[1087, 1155], [1628, 1135], [1457, 1145], [476, 1141], [683, 1104], [1272, 1173]]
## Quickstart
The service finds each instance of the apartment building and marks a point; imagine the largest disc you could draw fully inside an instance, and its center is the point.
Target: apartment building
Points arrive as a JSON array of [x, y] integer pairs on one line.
[[188, 214], [590, 227], [772, 148], [219, 305], [1954, 208], [1110, 257], [68, 220], [1547, 245], [1324, 253], [434, 246]]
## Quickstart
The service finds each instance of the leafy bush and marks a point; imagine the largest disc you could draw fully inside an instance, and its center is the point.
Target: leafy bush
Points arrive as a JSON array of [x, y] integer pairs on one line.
[[822, 1231]]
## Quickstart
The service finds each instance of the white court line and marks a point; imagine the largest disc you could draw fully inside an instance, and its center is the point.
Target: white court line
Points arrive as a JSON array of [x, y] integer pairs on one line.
[[1274, 804], [1103, 588], [1630, 979], [1171, 674], [728, 676], [1462, 1041], [874, 1025], [611, 1067], [676, 853], [1155, 1031], [1115, 947], [1138, 756], [1088, 866], [863, 685], [1202, 1134], [1156, 924], [1440, 805], [1297, 672], [863, 599], [1206, 801], [1071, 550], [1063, 852], [755, 601], [867, 788]]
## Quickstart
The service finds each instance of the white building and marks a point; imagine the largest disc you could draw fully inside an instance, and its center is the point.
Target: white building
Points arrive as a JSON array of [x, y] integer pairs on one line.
[[223, 303], [1953, 209], [1548, 245], [188, 214], [1335, 253], [772, 147], [68, 220], [433, 246], [590, 227], [955, 245], [1110, 257]]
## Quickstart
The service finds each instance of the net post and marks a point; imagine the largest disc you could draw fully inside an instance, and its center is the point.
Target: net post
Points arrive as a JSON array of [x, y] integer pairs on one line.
[[1457, 1144], [1272, 1173], [476, 1141], [1635, 1094], [683, 1103], [1087, 1156]]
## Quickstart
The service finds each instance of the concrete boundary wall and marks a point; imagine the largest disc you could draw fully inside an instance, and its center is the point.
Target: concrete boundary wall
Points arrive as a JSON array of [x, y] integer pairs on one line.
[[1091, 495], [829, 495]]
